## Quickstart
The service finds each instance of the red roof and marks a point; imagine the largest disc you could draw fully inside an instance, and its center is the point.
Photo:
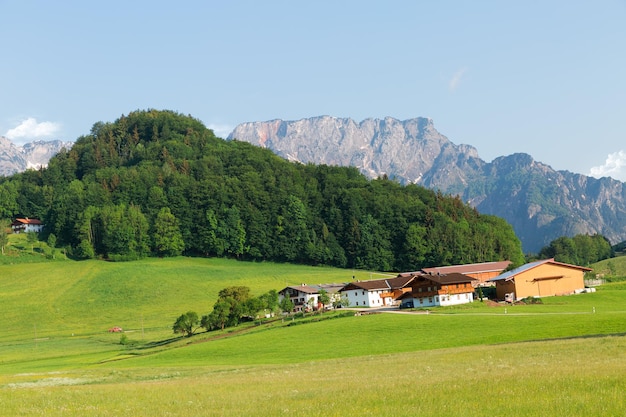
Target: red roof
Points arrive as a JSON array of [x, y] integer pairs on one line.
[[27, 221], [469, 268], [394, 283], [444, 279]]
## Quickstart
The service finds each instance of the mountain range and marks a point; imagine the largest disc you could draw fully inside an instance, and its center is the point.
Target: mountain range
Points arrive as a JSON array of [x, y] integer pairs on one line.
[[540, 203], [14, 158]]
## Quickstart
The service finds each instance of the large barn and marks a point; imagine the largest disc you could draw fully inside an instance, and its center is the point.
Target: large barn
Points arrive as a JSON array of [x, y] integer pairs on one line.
[[540, 279]]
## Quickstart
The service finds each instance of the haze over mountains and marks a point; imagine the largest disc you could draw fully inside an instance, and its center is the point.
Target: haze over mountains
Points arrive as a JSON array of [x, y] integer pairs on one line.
[[14, 158], [541, 204]]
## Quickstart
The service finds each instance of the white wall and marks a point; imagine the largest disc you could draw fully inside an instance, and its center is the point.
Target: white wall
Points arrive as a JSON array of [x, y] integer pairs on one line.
[[454, 299], [443, 300], [364, 298]]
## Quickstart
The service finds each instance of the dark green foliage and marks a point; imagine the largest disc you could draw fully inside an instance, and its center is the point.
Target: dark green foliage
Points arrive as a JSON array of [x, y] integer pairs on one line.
[[235, 305], [531, 300], [168, 240], [186, 323], [579, 250], [4, 238], [31, 237], [159, 182], [286, 305]]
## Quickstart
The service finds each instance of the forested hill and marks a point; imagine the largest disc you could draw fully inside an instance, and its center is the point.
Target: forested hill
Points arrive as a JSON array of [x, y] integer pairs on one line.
[[158, 183]]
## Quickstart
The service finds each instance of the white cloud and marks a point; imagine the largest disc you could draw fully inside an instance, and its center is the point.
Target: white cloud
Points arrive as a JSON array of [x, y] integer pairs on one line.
[[30, 129], [615, 167], [455, 81], [221, 131]]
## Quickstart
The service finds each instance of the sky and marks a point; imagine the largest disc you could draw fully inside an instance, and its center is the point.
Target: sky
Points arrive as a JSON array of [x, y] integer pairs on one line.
[[546, 78]]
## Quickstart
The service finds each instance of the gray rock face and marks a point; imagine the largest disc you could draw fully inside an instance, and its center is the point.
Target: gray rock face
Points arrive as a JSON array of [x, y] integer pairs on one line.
[[540, 203], [406, 149], [14, 159]]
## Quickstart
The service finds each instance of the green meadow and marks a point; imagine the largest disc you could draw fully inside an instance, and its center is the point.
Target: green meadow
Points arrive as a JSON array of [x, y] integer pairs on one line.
[[565, 356]]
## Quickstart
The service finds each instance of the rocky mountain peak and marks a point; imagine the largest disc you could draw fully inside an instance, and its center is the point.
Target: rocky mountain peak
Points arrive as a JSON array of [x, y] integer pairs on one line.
[[14, 158], [541, 203], [404, 149]]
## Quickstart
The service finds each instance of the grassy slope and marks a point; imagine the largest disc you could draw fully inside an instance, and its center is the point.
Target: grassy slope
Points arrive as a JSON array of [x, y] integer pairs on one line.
[[611, 268], [385, 362], [63, 298]]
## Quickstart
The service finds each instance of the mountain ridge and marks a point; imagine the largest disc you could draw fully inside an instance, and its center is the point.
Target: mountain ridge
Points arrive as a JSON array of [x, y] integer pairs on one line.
[[541, 203], [32, 155]]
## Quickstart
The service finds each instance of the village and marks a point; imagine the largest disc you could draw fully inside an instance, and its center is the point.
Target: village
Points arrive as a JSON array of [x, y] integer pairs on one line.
[[446, 286], [428, 287]]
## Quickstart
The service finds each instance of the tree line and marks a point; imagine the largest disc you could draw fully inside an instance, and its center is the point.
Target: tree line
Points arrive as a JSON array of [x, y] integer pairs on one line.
[[158, 183], [234, 305], [578, 250]]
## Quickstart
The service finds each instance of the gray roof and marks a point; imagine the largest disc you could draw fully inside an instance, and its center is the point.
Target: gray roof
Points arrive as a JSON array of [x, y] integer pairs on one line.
[[512, 273]]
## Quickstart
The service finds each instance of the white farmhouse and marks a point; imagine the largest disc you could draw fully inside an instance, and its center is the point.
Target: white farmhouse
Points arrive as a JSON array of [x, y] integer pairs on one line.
[[305, 296], [377, 292], [26, 225], [438, 290]]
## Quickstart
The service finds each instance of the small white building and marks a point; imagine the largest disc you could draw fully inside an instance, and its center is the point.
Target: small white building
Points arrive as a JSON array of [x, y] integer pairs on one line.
[[305, 296], [300, 296], [26, 225]]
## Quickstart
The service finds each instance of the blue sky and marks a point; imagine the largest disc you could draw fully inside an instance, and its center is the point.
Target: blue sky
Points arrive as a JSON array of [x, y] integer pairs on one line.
[[542, 77]]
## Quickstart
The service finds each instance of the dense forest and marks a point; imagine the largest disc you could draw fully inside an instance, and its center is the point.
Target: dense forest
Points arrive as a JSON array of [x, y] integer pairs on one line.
[[578, 250], [158, 183]]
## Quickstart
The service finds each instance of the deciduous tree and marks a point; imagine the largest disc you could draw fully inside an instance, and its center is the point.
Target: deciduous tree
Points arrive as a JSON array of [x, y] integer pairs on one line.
[[186, 323], [4, 238], [168, 240]]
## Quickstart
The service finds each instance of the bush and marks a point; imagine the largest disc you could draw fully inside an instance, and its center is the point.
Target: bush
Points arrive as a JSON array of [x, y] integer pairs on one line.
[[531, 300]]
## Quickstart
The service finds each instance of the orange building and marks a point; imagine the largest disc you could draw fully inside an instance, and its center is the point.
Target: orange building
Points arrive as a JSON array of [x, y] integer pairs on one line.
[[540, 279]]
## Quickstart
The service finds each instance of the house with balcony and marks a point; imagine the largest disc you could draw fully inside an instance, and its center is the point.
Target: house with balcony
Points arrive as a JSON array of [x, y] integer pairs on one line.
[[377, 292], [26, 225], [306, 297], [430, 290]]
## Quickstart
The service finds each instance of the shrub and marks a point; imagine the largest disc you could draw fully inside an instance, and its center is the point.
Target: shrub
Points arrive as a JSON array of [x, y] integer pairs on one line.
[[531, 300]]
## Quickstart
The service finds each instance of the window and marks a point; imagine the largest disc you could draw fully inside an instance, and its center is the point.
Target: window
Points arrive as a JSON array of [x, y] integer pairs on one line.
[[421, 301], [356, 293], [357, 303], [419, 289], [430, 299]]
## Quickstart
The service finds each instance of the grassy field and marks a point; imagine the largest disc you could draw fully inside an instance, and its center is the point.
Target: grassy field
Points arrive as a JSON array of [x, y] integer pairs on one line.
[[613, 269], [566, 355]]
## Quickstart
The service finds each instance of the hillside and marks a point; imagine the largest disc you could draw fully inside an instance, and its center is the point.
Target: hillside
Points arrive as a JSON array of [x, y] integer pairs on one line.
[[156, 183], [541, 203], [58, 358]]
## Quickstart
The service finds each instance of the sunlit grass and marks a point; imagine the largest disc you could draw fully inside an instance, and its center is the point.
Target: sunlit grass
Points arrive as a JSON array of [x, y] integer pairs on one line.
[[528, 379], [57, 358]]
